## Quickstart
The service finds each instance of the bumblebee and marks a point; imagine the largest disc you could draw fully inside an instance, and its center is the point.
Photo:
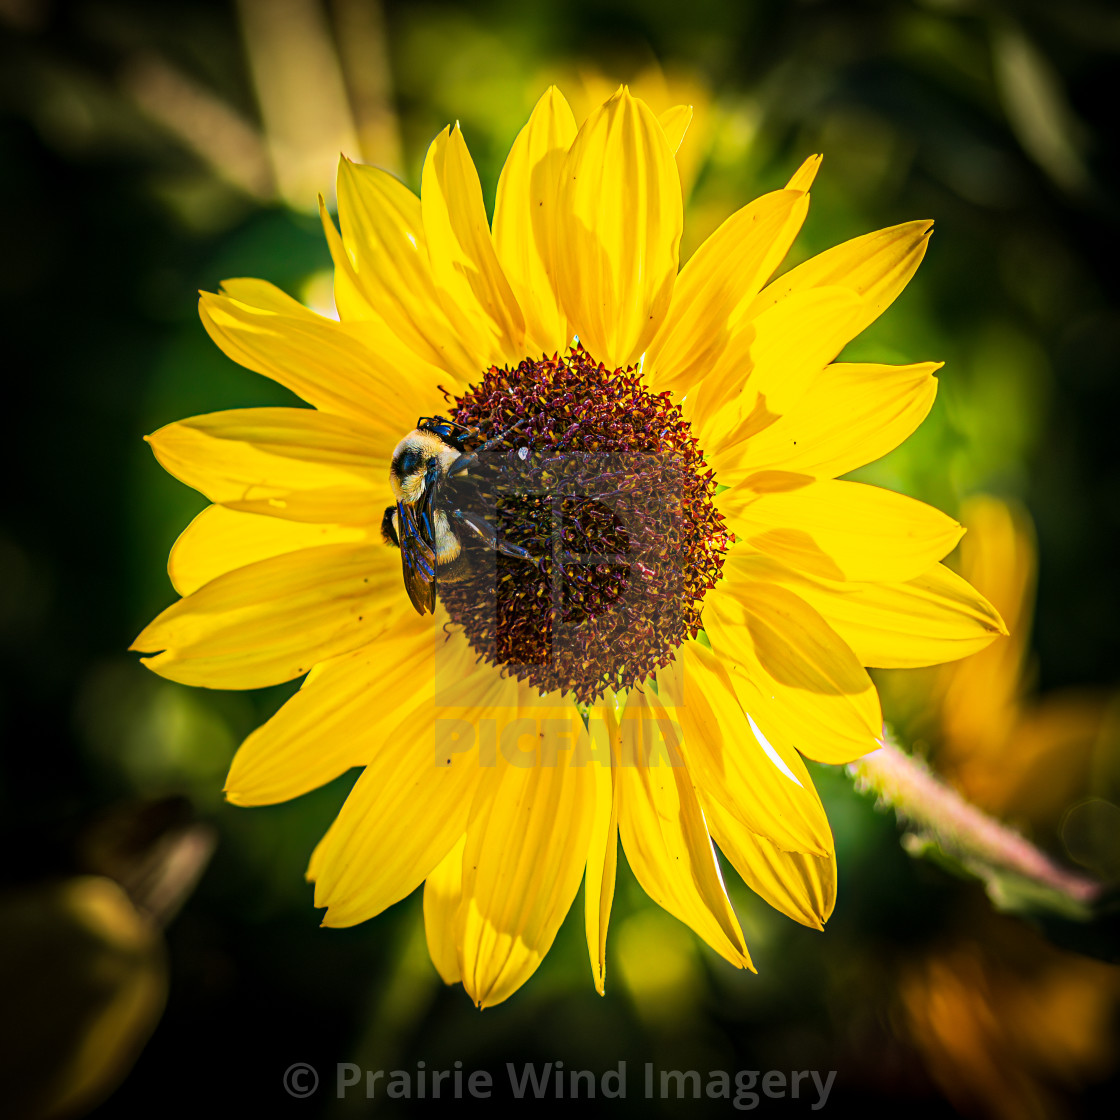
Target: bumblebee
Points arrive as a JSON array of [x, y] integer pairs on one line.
[[428, 522]]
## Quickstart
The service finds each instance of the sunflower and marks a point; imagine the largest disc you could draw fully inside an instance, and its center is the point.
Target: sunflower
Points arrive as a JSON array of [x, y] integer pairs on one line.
[[691, 596]]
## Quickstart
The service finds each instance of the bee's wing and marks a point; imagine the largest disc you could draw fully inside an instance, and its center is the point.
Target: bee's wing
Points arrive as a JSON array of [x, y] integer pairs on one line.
[[418, 556]]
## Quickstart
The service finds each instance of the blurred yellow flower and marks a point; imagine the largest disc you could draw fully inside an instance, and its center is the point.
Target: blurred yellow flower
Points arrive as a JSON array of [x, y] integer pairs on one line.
[[1007, 752], [1007, 1024], [1005, 1021], [692, 406]]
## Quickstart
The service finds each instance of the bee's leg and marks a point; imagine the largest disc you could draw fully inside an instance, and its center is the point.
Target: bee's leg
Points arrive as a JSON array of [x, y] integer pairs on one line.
[[463, 464], [498, 439], [389, 527], [508, 548], [485, 532], [469, 458]]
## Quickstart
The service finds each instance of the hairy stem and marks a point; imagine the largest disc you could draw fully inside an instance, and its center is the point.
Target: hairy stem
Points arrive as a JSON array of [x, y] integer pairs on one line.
[[986, 846]]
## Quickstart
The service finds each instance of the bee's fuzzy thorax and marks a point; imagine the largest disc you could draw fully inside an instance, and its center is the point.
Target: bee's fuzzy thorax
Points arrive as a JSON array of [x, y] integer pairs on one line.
[[410, 461]]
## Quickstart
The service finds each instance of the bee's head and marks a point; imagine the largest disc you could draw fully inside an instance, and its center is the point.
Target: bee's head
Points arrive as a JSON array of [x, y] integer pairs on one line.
[[411, 460], [447, 430]]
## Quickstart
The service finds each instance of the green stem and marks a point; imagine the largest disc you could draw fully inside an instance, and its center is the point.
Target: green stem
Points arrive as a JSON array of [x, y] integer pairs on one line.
[[987, 847]]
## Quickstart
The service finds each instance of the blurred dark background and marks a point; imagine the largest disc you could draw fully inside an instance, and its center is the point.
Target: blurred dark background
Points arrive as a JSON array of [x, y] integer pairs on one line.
[[151, 150]]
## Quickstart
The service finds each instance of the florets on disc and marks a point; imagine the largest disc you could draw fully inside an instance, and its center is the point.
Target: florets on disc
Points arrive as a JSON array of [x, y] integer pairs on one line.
[[602, 483]]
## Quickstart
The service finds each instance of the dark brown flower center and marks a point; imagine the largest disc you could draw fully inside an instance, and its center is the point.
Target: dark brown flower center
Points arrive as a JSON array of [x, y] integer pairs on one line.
[[602, 483]]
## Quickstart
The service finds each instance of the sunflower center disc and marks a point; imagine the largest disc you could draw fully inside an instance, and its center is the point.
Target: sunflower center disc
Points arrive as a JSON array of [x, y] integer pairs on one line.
[[602, 483]]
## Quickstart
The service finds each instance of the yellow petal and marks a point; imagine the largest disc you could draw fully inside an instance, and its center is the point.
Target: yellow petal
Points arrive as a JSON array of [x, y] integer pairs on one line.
[[795, 676], [525, 219], [338, 505], [876, 267], [724, 416], [315, 863], [800, 885], [272, 621], [663, 832], [339, 718], [680, 102], [413, 800], [602, 852], [356, 370], [524, 858], [266, 296], [674, 123], [219, 540], [718, 283], [443, 891], [351, 300], [474, 291], [803, 177], [383, 232], [620, 220], [782, 351], [851, 414], [935, 617], [248, 454], [842, 530], [767, 789], [872, 270], [402, 817]]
